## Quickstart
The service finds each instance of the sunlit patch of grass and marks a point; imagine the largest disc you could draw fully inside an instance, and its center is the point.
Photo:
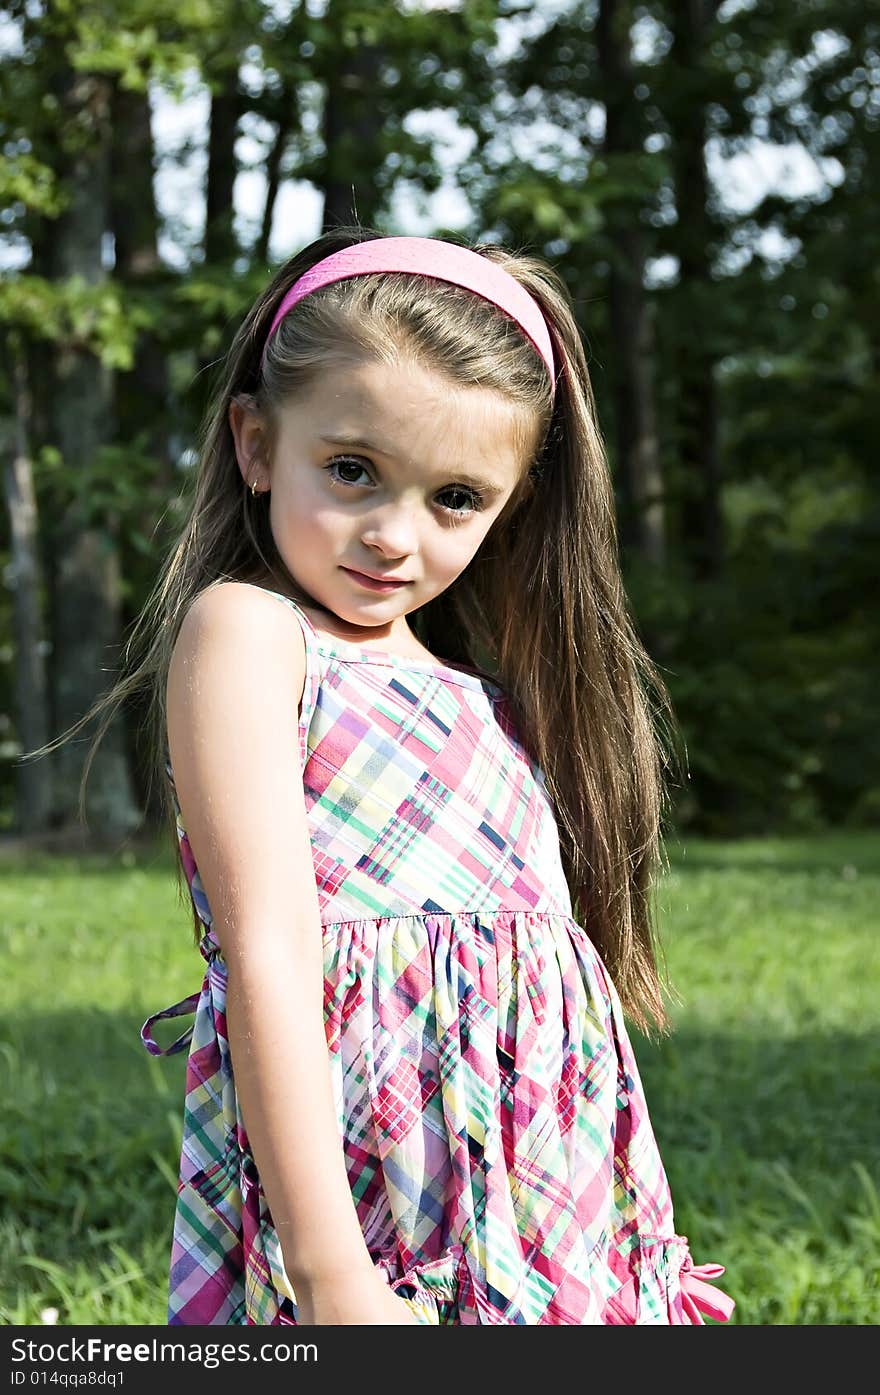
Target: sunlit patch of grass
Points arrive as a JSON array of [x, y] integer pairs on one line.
[[765, 1100]]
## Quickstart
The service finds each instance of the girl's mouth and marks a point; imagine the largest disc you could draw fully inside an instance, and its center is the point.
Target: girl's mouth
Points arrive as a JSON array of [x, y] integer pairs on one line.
[[373, 585]]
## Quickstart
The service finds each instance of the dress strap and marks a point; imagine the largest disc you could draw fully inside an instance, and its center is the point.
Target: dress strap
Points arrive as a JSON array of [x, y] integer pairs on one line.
[[184, 1008], [181, 1009], [313, 675]]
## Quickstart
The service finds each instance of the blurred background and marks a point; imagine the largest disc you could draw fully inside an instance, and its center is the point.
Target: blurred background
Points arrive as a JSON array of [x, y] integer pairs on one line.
[[704, 177]]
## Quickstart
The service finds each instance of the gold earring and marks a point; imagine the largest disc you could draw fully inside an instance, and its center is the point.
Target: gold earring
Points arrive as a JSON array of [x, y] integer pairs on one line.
[[254, 490]]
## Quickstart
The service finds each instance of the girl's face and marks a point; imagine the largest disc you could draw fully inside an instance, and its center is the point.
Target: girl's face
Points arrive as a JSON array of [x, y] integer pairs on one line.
[[389, 471]]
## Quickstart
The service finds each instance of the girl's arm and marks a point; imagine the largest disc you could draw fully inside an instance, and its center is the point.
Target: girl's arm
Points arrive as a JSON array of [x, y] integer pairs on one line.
[[236, 676]]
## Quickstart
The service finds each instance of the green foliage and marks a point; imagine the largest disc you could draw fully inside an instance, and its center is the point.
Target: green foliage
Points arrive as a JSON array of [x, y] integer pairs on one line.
[[773, 664], [83, 316], [27, 180], [765, 1099], [773, 670], [141, 40]]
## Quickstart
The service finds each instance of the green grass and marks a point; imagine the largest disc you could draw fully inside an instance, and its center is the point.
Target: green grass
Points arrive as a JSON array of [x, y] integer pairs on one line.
[[765, 1101]]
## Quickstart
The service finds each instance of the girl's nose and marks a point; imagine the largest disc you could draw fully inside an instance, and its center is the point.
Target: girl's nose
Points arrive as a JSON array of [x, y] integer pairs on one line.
[[392, 531]]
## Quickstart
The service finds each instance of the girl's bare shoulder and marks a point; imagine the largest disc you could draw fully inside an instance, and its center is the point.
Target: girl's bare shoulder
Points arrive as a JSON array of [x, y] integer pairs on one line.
[[236, 639], [245, 596]]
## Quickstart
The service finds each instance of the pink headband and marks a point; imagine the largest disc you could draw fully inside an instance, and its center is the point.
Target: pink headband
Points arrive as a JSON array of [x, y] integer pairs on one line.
[[429, 256]]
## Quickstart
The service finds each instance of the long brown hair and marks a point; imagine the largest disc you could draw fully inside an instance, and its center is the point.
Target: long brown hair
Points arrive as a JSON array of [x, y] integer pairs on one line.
[[541, 605]]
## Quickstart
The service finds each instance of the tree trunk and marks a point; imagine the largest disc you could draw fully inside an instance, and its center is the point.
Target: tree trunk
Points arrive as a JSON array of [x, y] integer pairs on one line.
[[86, 618], [273, 181], [220, 243], [141, 395], [642, 526], [33, 792], [220, 246], [352, 129], [632, 323], [696, 390]]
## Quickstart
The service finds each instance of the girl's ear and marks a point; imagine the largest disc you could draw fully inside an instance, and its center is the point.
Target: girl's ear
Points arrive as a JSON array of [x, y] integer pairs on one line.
[[247, 429]]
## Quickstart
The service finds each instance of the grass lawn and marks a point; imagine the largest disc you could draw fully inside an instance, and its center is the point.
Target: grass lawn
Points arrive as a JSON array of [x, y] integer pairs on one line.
[[765, 1101]]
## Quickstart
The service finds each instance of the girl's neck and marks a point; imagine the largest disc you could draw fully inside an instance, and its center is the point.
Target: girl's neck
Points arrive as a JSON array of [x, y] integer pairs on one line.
[[330, 627]]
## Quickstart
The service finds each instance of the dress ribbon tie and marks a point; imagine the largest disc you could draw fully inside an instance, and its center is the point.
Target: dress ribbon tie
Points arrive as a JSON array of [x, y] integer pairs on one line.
[[181, 1009], [208, 950], [696, 1295]]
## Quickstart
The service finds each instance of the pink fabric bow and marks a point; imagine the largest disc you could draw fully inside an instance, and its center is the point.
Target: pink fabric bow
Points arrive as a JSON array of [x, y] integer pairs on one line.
[[696, 1295]]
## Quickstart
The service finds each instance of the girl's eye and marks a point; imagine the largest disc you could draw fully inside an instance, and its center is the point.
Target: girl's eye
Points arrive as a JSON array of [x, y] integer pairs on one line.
[[473, 499], [344, 462]]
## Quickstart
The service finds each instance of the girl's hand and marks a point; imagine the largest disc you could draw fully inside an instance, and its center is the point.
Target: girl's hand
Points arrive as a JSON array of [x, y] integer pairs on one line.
[[357, 1297]]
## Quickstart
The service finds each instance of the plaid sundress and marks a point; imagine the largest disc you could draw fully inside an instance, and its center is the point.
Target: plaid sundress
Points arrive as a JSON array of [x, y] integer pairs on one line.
[[494, 1127]]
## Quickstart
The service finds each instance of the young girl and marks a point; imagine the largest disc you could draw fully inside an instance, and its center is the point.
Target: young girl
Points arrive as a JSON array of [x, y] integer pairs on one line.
[[407, 735]]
